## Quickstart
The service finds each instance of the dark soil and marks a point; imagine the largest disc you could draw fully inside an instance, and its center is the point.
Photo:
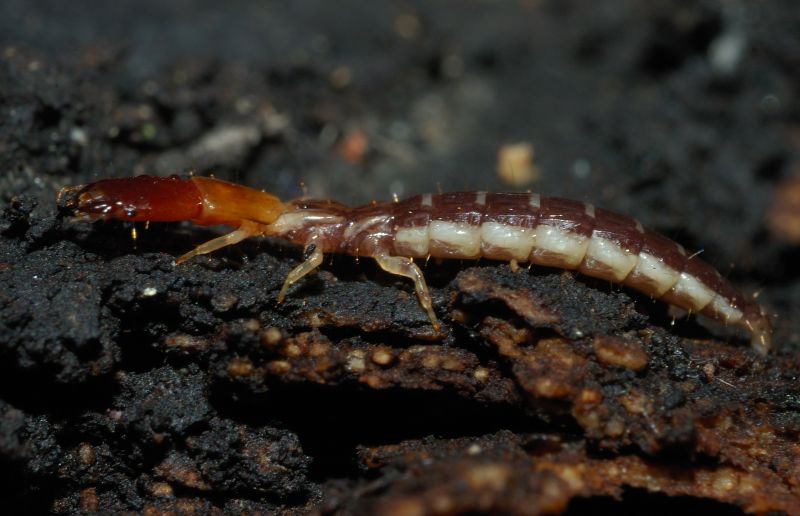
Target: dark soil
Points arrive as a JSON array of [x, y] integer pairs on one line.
[[130, 384]]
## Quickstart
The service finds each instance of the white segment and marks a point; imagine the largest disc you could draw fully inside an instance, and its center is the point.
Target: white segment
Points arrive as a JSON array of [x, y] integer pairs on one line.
[[652, 268], [721, 306], [639, 227], [553, 242], [427, 199], [480, 198], [413, 239], [589, 209], [357, 227], [609, 253], [681, 250], [535, 200], [516, 241], [692, 289], [300, 219], [463, 239]]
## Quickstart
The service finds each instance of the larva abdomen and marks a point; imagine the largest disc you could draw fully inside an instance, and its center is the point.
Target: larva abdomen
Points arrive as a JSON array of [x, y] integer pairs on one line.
[[568, 234]]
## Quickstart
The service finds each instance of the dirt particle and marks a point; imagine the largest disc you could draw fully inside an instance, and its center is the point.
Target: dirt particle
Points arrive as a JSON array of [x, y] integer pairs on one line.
[[481, 374], [224, 302], [174, 469], [615, 427], [431, 361], [240, 367], [548, 388], [515, 164], [373, 381], [459, 316], [709, 371], [474, 449], [452, 364], [317, 319], [86, 454], [279, 367], [162, 490], [636, 403], [573, 475], [382, 356], [355, 361], [341, 77], [407, 26], [590, 396], [292, 350], [252, 325], [614, 351], [725, 481], [272, 336], [404, 507], [149, 292], [319, 349], [354, 147], [89, 501], [185, 342], [489, 476], [442, 504], [784, 215]]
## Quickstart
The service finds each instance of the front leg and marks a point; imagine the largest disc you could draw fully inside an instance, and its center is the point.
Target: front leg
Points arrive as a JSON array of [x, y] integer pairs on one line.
[[403, 266], [246, 230]]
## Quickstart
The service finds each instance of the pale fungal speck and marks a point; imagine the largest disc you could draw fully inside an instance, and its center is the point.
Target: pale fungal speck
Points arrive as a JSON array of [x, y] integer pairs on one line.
[[474, 449]]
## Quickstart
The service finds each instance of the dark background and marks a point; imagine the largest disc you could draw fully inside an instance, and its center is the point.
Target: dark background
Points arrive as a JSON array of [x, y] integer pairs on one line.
[[683, 114]]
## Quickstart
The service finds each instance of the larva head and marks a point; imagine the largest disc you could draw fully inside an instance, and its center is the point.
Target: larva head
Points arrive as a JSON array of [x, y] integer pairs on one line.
[[201, 200], [142, 198]]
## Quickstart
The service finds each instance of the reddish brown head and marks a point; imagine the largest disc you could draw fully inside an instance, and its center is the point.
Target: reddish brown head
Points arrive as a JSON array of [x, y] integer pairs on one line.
[[142, 198]]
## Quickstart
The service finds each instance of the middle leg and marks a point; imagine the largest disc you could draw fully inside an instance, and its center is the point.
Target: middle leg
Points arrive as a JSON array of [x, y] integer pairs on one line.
[[403, 266], [312, 255]]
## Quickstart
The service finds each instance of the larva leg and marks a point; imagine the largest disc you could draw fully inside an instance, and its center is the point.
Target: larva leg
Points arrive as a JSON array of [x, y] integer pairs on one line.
[[313, 259], [406, 267], [246, 230], [761, 331]]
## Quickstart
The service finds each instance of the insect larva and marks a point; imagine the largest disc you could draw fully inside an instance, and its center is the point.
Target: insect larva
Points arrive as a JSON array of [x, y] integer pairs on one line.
[[520, 227]]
